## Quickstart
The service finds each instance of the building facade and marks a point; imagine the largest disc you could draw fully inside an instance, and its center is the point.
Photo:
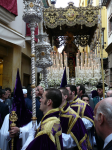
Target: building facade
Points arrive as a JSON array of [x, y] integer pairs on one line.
[[108, 4], [84, 3]]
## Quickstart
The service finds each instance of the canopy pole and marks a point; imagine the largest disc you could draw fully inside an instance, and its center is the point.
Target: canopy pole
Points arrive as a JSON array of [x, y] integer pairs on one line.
[[101, 50]]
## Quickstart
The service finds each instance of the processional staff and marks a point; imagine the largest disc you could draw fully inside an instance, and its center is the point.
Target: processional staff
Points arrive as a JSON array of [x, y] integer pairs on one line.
[[101, 49], [13, 118]]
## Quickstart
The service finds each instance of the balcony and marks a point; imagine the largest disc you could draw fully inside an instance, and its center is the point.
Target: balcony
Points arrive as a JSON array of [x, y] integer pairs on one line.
[[5, 16], [8, 11]]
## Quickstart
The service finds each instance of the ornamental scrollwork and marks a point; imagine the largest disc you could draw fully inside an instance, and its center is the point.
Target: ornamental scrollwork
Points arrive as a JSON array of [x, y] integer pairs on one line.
[[71, 16], [81, 40]]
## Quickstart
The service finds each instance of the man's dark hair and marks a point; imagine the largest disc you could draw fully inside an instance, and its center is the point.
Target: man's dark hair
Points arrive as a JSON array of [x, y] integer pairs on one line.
[[64, 91], [29, 89], [100, 85], [2, 91], [82, 88], [72, 88], [55, 95], [7, 88], [84, 95]]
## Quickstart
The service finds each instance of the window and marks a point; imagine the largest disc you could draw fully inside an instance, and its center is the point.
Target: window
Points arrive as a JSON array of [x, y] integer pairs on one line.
[[110, 24]]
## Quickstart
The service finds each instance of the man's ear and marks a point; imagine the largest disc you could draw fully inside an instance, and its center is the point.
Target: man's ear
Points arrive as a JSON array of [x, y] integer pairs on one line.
[[49, 102], [65, 96], [73, 92], [101, 118], [81, 91]]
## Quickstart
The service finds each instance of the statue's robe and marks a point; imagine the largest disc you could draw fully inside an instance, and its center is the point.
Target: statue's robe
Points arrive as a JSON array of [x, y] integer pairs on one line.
[[72, 124], [49, 133]]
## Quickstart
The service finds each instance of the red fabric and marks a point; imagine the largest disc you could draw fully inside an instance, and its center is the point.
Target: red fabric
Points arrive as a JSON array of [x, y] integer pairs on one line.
[[10, 5], [28, 32]]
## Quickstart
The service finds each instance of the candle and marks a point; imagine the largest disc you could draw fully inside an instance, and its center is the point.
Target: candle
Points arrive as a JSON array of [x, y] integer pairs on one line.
[[98, 66], [78, 62], [85, 66], [81, 66], [86, 59], [68, 72], [76, 58], [92, 65], [66, 61], [58, 66], [64, 55], [75, 72], [52, 58]]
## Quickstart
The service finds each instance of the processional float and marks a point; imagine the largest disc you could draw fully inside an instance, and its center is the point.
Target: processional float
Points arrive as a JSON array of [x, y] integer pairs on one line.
[[84, 22], [85, 26]]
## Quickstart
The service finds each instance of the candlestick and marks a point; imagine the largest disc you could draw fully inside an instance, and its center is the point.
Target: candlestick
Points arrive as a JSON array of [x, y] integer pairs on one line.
[[68, 72]]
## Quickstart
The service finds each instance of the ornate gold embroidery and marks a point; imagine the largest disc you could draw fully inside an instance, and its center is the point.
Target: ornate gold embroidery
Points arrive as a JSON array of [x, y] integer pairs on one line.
[[47, 126], [71, 16], [57, 140]]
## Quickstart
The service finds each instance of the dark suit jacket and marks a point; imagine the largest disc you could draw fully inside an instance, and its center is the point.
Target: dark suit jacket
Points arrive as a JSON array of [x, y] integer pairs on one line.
[[9, 103], [91, 103], [4, 110], [39, 114], [109, 146]]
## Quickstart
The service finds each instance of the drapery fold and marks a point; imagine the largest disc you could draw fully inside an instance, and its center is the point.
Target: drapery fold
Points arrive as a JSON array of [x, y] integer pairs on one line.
[[10, 5]]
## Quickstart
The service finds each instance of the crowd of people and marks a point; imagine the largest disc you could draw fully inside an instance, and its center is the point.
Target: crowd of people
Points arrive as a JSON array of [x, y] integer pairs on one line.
[[67, 118]]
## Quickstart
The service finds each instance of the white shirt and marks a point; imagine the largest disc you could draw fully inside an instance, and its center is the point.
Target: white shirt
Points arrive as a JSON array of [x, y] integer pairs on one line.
[[1, 100], [4, 133], [107, 140]]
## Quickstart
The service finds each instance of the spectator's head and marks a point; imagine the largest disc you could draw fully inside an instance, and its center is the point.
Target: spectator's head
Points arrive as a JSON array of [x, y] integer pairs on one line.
[[29, 91], [65, 95], [103, 117], [72, 90], [51, 98], [94, 93], [80, 90], [41, 90], [3, 94], [109, 93], [25, 92], [36, 91], [85, 98], [100, 89], [8, 90]]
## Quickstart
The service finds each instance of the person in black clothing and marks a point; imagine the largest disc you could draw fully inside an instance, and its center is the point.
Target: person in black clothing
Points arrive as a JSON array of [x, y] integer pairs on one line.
[[28, 102], [9, 99]]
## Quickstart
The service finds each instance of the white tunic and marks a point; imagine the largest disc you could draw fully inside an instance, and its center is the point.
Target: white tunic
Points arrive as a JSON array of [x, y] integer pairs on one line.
[[4, 133]]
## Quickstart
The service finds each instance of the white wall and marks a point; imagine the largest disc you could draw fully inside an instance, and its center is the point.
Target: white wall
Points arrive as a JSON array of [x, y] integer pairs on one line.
[[109, 11], [19, 25]]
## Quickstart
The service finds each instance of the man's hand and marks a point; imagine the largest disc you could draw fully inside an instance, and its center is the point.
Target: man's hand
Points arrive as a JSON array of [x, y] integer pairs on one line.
[[14, 131]]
